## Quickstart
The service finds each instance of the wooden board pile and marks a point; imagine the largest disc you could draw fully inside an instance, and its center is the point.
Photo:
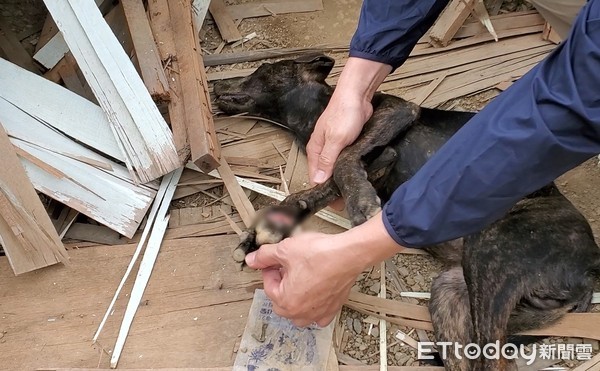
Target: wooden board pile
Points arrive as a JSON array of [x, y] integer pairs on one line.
[[112, 121]]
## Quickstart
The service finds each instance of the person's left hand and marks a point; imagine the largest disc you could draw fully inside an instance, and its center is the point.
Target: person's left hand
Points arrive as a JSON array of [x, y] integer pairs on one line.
[[308, 277]]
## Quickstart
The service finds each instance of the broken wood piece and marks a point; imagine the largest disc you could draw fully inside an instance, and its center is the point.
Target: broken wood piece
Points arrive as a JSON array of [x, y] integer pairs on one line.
[[383, 359], [429, 89], [146, 50], [13, 49], [406, 339], [200, 8], [239, 198], [503, 22], [160, 19], [204, 147], [93, 233], [262, 9], [27, 234], [482, 14], [158, 229], [285, 346], [227, 28], [244, 40], [49, 29], [141, 132], [550, 34], [450, 21]]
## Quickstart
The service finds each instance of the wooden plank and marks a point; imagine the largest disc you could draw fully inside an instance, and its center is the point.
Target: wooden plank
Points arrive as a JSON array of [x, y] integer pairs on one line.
[[262, 9], [109, 197], [256, 55], [390, 368], [591, 365], [227, 28], [160, 19], [147, 264], [27, 234], [93, 233], [200, 8], [146, 50], [191, 321], [13, 49], [141, 132], [204, 147], [501, 23], [383, 359], [48, 31], [450, 21]]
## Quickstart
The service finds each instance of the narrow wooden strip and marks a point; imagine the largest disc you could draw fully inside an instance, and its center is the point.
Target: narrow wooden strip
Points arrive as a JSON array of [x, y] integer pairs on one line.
[[262, 9], [241, 202], [146, 50], [227, 28], [430, 88], [591, 365], [383, 360], [150, 254], [501, 23]]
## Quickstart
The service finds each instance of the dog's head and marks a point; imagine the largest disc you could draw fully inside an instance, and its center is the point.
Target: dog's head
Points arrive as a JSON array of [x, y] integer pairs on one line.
[[259, 92]]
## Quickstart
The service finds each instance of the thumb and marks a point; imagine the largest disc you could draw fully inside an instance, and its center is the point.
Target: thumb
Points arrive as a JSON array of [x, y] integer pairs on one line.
[[264, 257], [326, 161]]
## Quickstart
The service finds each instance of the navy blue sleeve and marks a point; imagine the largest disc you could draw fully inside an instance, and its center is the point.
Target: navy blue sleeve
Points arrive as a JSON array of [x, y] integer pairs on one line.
[[388, 30], [547, 123]]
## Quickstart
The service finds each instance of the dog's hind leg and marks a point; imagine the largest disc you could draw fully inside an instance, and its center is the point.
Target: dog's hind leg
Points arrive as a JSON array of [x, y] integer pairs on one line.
[[392, 117]]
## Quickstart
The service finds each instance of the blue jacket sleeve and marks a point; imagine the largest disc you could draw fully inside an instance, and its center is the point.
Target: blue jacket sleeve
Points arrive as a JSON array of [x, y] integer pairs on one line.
[[388, 30], [547, 123]]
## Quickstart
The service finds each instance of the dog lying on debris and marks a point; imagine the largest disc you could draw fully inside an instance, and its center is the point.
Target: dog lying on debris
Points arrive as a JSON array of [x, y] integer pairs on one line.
[[523, 272]]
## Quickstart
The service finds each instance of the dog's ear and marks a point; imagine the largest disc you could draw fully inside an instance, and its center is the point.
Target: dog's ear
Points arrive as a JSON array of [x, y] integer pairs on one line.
[[314, 67]]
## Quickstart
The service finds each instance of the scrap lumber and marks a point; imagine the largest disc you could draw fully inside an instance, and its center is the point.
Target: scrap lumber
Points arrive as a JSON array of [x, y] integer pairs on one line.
[[160, 21], [48, 31], [383, 359], [283, 345], [204, 147], [146, 51], [93, 233], [227, 28], [141, 132], [450, 21], [200, 8], [391, 368], [262, 9], [503, 22], [13, 49], [550, 34], [159, 227], [591, 365], [239, 198], [26, 232], [256, 55], [181, 302]]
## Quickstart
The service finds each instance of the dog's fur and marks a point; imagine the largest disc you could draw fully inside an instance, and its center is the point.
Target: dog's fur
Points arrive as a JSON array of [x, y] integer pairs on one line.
[[523, 272]]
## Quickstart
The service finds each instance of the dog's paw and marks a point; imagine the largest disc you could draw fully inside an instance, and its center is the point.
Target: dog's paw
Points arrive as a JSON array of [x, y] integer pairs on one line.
[[271, 225], [362, 206]]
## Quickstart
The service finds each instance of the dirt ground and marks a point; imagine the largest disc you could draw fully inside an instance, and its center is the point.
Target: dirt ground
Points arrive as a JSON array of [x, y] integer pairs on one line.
[[335, 25]]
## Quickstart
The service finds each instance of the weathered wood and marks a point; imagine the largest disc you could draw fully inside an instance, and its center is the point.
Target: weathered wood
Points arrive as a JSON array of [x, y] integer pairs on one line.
[[155, 239], [227, 28], [93, 233], [239, 198], [27, 234], [204, 147], [450, 21], [262, 9], [256, 55], [195, 290], [141, 132], [160, 21], [200, 8], [146, 50], [48, 31], [502, 22]]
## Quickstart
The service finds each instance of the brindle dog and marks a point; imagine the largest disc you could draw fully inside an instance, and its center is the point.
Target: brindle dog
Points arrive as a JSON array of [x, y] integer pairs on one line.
[[523, 272]]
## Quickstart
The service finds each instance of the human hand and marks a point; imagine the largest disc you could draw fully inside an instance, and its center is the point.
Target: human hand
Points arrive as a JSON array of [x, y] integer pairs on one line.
[[306, 285], [308, 277], [347, 112]]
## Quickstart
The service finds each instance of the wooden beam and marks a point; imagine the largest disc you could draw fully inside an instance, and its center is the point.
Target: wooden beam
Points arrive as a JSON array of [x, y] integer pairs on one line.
[[48, 31], [146, 51], [160, 21], [227, 28], [262, 9], [204, 146], [141, 131], [450, 21], [26, 231]]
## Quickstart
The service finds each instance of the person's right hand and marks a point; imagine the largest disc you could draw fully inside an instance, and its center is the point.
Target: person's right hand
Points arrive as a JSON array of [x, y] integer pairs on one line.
[[346, 114]]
